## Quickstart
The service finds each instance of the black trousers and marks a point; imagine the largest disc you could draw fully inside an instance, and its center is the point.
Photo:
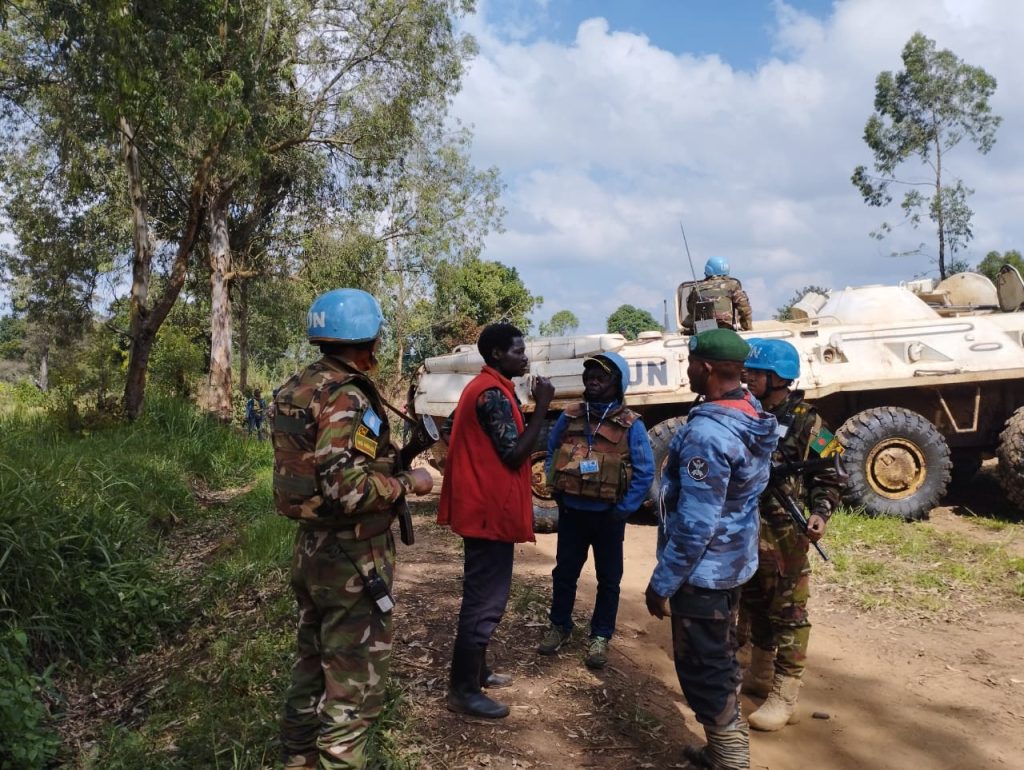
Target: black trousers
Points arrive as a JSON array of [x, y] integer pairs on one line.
[[704, 648], [486, 582]]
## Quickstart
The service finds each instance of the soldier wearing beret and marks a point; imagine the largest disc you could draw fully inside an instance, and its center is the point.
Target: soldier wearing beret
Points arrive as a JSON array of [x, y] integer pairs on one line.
[[718, 464]]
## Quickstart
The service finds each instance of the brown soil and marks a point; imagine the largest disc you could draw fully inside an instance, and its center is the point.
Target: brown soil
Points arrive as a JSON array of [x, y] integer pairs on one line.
[[897, 694]]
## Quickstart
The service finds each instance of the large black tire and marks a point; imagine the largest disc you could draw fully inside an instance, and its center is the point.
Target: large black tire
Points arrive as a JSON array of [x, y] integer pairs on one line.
[[899, 462], [1011, 458], [660, 437], [545, 509]]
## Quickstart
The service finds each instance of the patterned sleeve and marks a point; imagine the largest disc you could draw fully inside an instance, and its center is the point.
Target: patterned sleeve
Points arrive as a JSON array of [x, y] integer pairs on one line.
[[349, 474], [743, 311], [698, 498], [494, 411], [823, 489]]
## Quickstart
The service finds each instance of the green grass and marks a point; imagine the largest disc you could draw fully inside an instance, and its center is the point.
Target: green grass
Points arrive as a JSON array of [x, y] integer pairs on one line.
[[105, 554], [885, 563]]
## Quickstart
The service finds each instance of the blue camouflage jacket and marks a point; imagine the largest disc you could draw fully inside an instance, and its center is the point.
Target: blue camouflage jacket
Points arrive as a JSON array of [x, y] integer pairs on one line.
[[717, 466]]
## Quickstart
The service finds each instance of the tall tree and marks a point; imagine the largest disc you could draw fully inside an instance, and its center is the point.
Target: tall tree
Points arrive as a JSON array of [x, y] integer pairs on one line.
[[207, 101], [561, 323], [630, 321], [923, 112]]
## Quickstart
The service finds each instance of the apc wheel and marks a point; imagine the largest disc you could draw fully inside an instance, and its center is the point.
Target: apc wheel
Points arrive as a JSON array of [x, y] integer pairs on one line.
[[660, 437], [898, 462], [1011, 458], [545, 509]]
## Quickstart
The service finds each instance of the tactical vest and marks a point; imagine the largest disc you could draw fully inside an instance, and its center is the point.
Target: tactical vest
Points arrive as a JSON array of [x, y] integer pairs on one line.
[[297, 490], [610, 449], [720, 291]]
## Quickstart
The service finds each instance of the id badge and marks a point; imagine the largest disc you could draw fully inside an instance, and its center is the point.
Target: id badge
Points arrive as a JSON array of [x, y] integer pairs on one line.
[[588, 466]]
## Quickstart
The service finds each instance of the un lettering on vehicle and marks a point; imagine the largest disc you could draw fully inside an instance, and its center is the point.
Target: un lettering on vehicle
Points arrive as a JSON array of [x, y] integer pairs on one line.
[[651, 373]]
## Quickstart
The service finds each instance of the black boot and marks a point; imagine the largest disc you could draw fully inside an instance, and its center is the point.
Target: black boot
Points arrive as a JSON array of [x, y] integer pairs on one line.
[[491, 679], [464, 694]]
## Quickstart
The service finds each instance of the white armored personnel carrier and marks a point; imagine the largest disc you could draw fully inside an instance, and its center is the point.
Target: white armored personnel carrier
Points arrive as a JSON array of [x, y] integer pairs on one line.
[[922, 380]]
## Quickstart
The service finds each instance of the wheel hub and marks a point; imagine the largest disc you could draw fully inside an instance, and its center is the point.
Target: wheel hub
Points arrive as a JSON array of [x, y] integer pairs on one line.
[[538, 479], [896, 468]]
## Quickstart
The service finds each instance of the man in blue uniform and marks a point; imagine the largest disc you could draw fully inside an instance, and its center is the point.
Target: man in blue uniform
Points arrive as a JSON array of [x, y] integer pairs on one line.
[[718, 464]]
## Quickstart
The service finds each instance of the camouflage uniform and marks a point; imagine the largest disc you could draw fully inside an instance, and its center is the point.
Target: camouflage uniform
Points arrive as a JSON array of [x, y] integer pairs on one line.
[[775, 600], [731, 303], [334, 471]]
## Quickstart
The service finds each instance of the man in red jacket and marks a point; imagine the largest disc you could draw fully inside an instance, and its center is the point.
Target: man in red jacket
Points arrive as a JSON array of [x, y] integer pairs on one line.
[[486, 498]]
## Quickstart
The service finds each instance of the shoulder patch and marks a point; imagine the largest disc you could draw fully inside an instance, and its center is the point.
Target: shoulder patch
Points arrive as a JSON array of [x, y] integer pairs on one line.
[[698, 468]]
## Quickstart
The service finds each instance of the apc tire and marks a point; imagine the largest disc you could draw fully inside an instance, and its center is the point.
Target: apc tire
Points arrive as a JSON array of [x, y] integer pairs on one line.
[[898, 462], [545, 509], [660, 437], [1011, 458]]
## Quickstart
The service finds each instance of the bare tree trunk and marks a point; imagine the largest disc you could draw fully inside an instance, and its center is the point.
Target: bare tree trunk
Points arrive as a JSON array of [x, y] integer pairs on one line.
[[145, 319], [939, 209], [219, 394], [243, 335], [43, 383]]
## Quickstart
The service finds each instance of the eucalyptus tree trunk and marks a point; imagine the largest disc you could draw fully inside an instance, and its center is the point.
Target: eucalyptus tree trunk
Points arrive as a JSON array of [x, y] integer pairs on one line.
[[219, 391], [145, 317], [243, 335], [43, 383]]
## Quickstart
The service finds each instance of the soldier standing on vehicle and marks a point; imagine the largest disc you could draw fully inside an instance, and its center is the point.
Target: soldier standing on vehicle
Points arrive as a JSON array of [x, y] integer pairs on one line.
[[486, 497], [775, 600], [717, 466], [730, 305], [335, 473], [600, 466]]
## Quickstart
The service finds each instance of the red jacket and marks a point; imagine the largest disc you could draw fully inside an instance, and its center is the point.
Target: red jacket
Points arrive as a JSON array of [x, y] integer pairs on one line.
[[481, 496]]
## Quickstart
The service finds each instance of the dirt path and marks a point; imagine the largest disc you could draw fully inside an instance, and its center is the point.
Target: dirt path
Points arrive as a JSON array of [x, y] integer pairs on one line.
[[926, 696]]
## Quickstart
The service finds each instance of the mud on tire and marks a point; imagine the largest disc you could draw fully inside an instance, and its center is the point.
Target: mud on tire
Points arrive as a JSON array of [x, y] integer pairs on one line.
[[545, 509], [898, 462], [1011, 458]]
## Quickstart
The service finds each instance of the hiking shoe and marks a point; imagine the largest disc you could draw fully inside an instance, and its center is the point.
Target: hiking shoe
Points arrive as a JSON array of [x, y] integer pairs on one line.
[[553, 639], [597, 652]]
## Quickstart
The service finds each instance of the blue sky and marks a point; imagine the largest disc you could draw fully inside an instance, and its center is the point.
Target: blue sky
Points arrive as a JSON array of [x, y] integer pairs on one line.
[[611, 121]]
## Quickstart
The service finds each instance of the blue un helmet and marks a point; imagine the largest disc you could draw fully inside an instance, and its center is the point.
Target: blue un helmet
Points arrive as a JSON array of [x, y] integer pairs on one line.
[[776, 356], [613, 359], [344, 315], [716, 266]]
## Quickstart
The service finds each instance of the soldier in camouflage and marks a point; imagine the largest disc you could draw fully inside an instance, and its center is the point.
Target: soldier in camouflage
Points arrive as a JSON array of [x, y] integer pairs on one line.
[[775, 600], [337, 474], [731, 307], [718, 463]]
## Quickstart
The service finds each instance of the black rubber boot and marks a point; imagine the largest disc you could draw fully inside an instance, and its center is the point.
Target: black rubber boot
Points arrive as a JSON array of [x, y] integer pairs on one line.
[[491, 679], [464, 694]]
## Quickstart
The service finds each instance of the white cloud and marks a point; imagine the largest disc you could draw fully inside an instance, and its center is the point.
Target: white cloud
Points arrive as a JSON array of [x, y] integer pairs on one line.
[[606, 142]]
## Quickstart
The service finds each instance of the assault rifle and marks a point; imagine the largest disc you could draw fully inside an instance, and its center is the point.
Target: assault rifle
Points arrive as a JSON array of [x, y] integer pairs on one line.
[[782, 470]]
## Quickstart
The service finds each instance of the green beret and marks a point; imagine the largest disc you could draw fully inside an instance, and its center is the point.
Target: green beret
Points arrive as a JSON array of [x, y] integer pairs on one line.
[[719, 345]]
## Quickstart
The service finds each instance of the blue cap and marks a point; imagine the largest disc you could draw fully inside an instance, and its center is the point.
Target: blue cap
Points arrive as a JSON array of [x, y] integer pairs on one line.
[[344, 315]]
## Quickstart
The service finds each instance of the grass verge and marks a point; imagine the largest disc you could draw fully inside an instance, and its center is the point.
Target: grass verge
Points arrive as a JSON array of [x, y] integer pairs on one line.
[[885, 563]]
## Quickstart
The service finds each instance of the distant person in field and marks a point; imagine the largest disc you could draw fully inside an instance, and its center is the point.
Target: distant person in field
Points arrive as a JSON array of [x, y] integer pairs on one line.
[[255, 410]]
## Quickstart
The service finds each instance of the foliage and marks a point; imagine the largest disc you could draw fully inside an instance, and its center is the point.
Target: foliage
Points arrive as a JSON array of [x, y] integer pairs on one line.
[[29, 743], [990, 265], [468, 296], [630, 321], [923, 112], [785, 312], [562, 323]]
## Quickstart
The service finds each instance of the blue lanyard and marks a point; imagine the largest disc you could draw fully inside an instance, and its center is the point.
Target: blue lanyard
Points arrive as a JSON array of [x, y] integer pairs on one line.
[[590, 437]]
